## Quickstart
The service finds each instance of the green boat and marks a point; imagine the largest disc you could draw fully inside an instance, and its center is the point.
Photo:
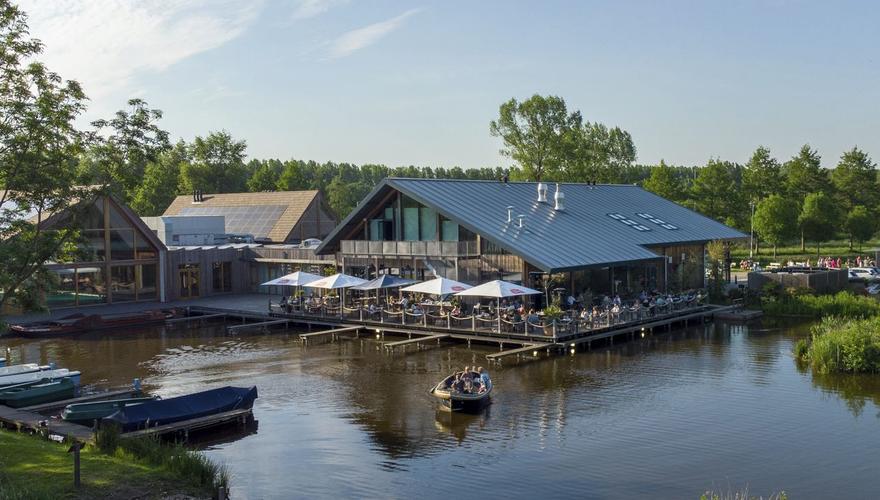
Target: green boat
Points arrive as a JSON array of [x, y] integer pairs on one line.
[[39, 393], [87, 413]]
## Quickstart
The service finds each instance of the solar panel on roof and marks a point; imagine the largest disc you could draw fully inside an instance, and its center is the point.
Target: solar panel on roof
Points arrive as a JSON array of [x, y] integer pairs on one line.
[[257, 220]]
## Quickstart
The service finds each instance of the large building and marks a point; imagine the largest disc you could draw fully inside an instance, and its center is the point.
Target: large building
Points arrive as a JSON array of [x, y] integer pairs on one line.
[[580, 237], [271, 217]]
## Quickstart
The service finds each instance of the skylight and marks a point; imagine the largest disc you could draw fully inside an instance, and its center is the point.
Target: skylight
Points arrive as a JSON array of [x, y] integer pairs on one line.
[[658, 221], [629, 222]]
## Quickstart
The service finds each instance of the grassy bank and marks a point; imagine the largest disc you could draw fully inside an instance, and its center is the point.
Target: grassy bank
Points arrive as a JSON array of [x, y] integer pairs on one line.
[[842, 304], [33, 468], [793, 252], [842, 345]]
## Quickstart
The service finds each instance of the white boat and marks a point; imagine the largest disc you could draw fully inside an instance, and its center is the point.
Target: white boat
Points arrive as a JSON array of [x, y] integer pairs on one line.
[[17, 369], [23, 378]]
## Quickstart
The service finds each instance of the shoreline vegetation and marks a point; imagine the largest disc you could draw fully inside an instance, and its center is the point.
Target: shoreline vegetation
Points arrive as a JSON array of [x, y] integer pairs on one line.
[[802, 303], [35, 468], [842, 345]]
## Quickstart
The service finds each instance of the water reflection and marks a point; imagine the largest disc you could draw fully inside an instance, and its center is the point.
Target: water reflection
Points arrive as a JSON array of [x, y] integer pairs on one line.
[[666, 416]]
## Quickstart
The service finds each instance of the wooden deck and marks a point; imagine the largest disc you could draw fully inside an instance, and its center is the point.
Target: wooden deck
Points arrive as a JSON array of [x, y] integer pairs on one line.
[[333, 334], [194, 424], [416, 341], [23, 420], [261, 324], [99, 396]]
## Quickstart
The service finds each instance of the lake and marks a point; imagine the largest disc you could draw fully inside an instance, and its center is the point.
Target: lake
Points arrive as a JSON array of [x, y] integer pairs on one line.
[[669, 416]]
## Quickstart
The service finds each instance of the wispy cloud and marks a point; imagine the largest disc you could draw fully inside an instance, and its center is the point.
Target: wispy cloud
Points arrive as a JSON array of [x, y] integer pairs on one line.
[[107, 44], [306, 9], [360, 38]]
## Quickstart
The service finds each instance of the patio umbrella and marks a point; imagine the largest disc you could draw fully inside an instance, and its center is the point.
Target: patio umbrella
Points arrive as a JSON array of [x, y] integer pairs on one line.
[[336, 281], [383, 281], [498, 289], [437, 286], [298, 278]]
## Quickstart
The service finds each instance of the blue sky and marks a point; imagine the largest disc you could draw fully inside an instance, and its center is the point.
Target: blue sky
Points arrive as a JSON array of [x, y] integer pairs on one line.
[[418, 82]]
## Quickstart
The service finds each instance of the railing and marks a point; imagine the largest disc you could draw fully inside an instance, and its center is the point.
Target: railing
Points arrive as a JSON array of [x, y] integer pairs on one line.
[[487, 324], [294, 254], [410, 248]]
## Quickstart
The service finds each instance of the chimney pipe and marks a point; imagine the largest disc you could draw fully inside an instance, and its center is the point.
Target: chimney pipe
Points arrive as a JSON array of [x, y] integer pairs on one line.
[[559, 197], [520, 219], [510, 214], [542, 192]]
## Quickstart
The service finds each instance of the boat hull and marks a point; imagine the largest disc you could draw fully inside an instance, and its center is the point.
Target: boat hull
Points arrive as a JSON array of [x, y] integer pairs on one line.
[[75, 324], [87, 413], [35, 394], [169, 411]]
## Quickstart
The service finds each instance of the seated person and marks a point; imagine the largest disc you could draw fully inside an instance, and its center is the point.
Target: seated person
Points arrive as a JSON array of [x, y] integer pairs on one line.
[[456, 311]]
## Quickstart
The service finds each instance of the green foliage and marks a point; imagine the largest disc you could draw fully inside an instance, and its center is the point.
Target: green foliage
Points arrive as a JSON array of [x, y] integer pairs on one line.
[[159, 186], [860, 225], [717, 195], [804, 174], [216, 165], [265, 175], [843, 345], [842, 304], [775, 219], [762, 176], [818, 218], [665, 182], [854, 174], [553, 312]]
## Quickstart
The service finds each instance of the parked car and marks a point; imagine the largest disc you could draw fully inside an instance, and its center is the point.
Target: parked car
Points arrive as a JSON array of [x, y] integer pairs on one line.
[[311, 243], [874, 289], [863, 273]]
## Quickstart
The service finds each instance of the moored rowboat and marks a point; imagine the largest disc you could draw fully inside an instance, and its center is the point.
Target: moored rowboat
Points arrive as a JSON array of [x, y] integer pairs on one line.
[[168, 411], [16, 369], [86, 413], [34, 394], [36, 376]]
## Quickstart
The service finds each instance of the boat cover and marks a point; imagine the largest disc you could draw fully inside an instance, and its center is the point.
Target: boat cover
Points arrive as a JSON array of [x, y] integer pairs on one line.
[[167, 411]]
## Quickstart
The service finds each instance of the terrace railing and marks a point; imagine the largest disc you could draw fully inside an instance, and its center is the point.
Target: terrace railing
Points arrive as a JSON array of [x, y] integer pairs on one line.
[[365, 248]]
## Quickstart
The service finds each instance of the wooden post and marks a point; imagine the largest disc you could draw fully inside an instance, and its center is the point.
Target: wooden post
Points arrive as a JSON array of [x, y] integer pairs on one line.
[[75, 450]]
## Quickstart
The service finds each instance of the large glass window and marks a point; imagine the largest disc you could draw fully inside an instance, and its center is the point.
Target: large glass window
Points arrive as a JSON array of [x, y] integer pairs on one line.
[[63, 288], [221, 276], [91, 246], [427, 224], [91, 288], [144, 249], [148, 286], [122, 283], [122, 244], [448, 230]]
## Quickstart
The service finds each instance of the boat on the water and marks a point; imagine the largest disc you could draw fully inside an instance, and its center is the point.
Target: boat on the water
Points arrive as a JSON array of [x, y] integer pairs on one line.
[[45, 391], [36, 376], [169, 411], [79, 323], [23, 368], [466, 391], [86, 413]]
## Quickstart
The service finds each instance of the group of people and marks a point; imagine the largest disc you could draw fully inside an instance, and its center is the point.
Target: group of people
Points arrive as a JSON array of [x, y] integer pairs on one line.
[[472, 380], [831, 263]]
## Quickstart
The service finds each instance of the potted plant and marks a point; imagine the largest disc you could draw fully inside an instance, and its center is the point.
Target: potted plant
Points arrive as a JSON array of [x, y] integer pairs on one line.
[[551, 313]]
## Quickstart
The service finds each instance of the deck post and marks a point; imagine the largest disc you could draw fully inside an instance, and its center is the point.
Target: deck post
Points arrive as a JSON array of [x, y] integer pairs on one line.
[[424, 319], [361, 314], [449, 321], [474, 323]]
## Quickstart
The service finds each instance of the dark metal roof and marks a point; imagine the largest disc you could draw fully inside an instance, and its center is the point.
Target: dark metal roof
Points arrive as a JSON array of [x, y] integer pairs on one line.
[[581, 235]]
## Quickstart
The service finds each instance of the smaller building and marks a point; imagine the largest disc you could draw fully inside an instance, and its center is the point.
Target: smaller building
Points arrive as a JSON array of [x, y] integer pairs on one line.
[[818, 280], [188, 230]]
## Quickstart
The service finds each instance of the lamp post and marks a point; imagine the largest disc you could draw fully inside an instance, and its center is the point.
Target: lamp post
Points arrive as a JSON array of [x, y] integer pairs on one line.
[[752, 229]]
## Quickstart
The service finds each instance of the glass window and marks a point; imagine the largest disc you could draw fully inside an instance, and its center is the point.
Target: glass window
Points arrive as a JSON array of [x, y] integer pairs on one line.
[[121, 244], [91, 246], [147, 287], [90, 286], [117, 220], [62, 289], [145, 250], [93, 217], [221, 276], [122, 283], [411, 224], [448, 230], [428, 224]]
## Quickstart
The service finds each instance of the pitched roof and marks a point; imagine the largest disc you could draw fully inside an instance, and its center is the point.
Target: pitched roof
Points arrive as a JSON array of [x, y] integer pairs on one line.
[[599, 225], [264, 215]]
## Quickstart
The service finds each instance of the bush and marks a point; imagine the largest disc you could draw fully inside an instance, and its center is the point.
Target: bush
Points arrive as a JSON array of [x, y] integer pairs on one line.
[[841, 345], [842, 304]]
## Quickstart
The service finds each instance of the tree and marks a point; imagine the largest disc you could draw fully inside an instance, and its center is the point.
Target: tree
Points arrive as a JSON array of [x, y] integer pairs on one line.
[[664, 182], [818, 218], [776, 219], [804, 175], [39, 147], [292, 177], [717, 195], [216, 166], [537, 134], [265, 176], [159, 186], [597, 153], [853, 178], [762, 176], [135, 140], [860, 225], [343, 196]]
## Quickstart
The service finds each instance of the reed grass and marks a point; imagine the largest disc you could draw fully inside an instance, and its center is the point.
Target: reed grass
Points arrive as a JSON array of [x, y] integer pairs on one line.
[[742, 494], [841, 304], [843, 345]]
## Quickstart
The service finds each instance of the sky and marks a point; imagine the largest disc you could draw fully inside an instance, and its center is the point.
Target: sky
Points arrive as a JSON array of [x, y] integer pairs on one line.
[[417, 83]]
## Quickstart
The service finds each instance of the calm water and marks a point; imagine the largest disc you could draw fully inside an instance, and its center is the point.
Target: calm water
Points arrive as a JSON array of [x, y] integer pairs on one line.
[[668, 416]]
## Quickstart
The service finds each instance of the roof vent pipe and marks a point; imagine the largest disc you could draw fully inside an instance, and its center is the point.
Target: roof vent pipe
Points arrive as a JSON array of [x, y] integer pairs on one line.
[[509, 214], [542, 192], [519, 219], [559, 197]]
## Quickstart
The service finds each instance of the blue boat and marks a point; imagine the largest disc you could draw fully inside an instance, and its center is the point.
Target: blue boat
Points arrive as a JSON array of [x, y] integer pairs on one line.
[[169, 411]]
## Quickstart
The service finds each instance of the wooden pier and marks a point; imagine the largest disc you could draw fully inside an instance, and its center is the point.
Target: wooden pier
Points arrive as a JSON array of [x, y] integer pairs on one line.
[[99, 396], [333, 334], [262, 324], [183, 428], [23, 420], [416, 341], [526, 349]]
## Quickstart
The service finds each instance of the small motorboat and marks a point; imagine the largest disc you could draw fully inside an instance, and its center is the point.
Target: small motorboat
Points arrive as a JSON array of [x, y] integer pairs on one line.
[[464, 392], [36, 376], [86, 413], [45, 391], [190, 406], [79, 323], [23, 368]]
